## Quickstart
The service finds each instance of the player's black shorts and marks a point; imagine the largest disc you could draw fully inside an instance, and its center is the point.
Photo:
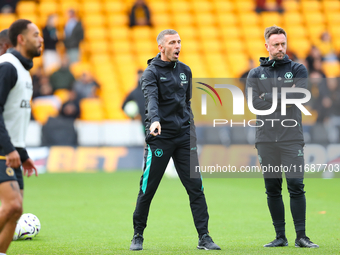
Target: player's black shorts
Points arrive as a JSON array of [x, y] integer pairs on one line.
[[10, 174]]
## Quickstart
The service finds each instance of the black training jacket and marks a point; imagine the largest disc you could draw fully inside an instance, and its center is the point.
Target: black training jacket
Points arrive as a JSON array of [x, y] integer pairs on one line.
[[167, 91], [277, 73]]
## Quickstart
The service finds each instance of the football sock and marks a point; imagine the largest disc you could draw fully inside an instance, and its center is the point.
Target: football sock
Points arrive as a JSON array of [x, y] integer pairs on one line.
[[281, 234], [300, 234]]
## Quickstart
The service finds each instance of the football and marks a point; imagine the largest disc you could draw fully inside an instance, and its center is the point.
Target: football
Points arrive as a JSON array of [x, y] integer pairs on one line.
[[27, 227], [35, 220], [131, 109]]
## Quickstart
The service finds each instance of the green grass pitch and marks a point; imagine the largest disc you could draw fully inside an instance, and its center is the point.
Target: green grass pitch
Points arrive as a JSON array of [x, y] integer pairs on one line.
[[91, 213]]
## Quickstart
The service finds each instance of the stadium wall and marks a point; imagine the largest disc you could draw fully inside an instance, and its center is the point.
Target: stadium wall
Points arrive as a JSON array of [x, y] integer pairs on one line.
[[61, 159]]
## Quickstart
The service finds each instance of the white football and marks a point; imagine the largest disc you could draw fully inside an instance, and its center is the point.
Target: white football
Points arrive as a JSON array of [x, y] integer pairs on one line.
[[35, 220], [27, 228], [17, 232], [131, 109]]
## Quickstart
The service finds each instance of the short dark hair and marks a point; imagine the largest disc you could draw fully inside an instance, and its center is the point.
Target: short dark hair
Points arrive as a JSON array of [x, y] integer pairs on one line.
[[4, 33], [273, 30], [17, 28], [163, 33]]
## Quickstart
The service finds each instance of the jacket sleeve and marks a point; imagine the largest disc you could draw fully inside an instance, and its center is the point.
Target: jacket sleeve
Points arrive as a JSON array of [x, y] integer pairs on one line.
[[258, 103], [150, 90], [300, 81], [188, 98], [8, 79]]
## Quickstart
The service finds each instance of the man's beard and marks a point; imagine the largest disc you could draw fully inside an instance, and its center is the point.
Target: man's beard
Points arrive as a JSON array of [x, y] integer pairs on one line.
[[33, 53], [277, 58]]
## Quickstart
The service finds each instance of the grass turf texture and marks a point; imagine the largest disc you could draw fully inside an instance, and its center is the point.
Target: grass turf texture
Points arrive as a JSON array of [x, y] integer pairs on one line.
[[84, 213]]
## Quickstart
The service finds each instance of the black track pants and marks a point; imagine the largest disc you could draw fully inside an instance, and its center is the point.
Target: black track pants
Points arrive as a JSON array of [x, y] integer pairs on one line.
[[157, 155], [290, 156]]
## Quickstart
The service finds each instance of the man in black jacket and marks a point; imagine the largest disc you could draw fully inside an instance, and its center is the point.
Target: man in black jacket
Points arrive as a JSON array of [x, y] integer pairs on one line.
[[166, 84], [279, 146]]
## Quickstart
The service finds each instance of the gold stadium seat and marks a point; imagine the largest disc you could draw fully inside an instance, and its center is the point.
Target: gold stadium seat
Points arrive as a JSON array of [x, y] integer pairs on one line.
[[336, 44], [190, 46], [93, 21], [142, 59], [113, 7], [331, 69], [291, 6], [146, 45], [95, 34], [92, 7], [331, 6], [182, 19], [186, 32], [212, 46], [300, 47], [334, 30], [6, 19], [333, 18], [315, 31], [118, 19], [238, 63], [193, 59], [62, 94], [256, 55], [208, 32], [121, 46], [119, 33], [158, 7], [98, 47], [249, 18], [292, 18], [234, 46], [32, 17], [47, 8], [67, 5], [270, 18], [78, 68], [42, 111], [26, 7], [157, 29], [161, 19], [230, 32], [214, 59], [205, 19], [253, 31], [139, 33], [227, 19], [91, 109], [199, 71], [180, 6], [223, 6], [123, 59], [295, 31], [201, 6], [255, 45], [243, 6], [100, 59], [312, 18], [310, 5]]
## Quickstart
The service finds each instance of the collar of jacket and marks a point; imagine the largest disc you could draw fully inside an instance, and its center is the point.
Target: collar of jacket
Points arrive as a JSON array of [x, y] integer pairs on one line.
[[27, 63], [158, 62], [274, 63]]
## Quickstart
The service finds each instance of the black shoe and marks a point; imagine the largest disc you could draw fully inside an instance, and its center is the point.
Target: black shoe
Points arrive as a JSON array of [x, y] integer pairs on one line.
[[137, 243], [278, 242], [206, 243], [305, 242]]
